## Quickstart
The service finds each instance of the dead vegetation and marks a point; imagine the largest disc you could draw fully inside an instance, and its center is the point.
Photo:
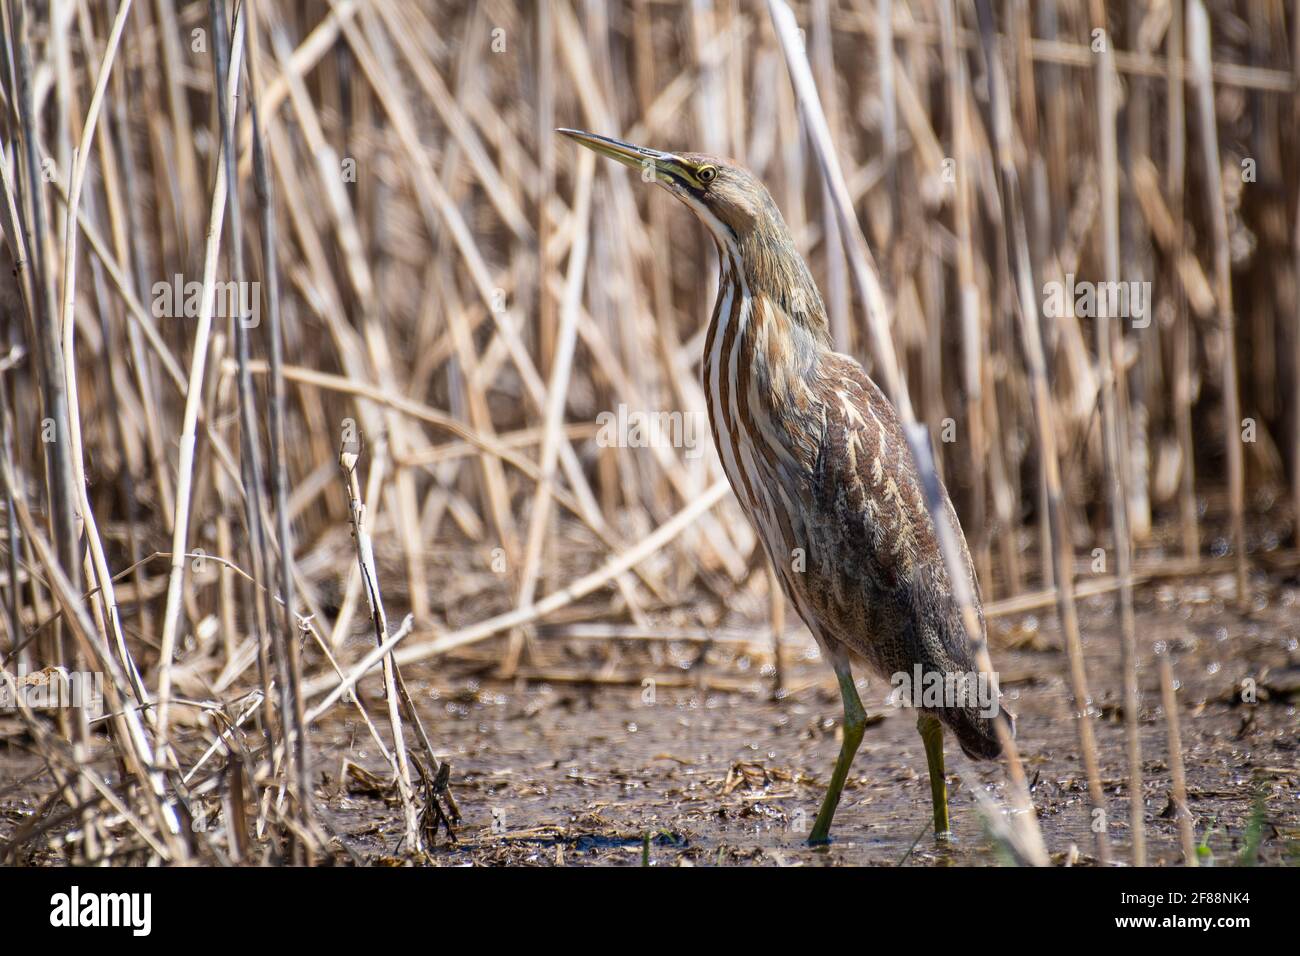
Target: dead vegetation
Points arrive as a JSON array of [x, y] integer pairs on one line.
[[240, 236]]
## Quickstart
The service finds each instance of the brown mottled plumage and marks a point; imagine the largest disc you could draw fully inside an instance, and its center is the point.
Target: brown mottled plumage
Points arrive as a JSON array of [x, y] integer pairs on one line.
[[817, 458]]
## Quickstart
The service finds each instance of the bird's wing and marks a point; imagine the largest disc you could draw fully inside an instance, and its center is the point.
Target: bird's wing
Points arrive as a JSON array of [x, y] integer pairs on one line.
[[885, 581], [865, 479], [886, 591]]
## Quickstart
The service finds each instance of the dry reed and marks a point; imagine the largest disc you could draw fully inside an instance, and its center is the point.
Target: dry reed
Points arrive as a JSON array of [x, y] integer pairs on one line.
[[241, 233]]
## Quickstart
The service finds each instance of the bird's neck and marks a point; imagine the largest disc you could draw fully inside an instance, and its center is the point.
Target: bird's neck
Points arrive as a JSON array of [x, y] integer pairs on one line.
[[769, 332], [770, 267]]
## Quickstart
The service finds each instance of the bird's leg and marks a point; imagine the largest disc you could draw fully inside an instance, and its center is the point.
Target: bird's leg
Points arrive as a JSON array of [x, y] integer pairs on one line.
[[932, 733], [855, 722]]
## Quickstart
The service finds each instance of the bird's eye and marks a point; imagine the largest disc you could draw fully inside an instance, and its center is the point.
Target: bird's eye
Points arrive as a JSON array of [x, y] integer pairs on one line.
[[706, 174]]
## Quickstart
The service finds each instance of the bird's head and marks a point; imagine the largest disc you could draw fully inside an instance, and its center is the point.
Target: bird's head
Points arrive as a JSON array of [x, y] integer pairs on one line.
[[727, 198], [745, 223]]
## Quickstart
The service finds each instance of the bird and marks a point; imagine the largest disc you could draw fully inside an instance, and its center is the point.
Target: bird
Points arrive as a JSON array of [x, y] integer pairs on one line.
[[817, 458]]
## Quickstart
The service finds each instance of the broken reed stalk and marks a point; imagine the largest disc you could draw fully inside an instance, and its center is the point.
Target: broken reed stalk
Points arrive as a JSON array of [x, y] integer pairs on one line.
[[349, 454], [11, 220], [48, 344], [776, 612], [193, 398], [972, 325], [838, 306], [106, 612], [918, 439], [290, 653], [1295, 307], [1111, 367], [270, 640], [1182, 389], [13, 606], [1178, 776], [1025, 306], [1198, 48], [545, 116]]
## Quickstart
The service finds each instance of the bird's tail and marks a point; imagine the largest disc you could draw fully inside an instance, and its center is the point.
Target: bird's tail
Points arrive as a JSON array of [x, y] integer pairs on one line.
[[976, 732]]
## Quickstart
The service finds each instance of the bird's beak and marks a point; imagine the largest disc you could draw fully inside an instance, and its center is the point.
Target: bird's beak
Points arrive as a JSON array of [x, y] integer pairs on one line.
[[665, 167]]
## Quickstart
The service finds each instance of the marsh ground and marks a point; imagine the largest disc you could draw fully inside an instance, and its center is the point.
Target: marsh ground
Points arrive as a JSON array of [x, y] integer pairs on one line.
[[579, 773], [549, 769]]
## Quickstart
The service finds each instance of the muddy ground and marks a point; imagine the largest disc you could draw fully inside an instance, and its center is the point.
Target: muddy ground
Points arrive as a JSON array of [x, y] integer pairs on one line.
[[553, 772], [710, 768]]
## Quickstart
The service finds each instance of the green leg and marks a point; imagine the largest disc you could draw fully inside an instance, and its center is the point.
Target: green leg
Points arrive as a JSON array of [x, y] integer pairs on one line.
[[855, 722], [932, 733]]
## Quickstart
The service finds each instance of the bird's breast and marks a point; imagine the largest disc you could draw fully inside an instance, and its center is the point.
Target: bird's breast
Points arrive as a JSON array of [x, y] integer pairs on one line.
[[765, 449]]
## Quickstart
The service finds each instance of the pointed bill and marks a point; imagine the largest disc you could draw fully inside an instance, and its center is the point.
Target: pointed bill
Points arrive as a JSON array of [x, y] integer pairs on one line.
[[652, 163]]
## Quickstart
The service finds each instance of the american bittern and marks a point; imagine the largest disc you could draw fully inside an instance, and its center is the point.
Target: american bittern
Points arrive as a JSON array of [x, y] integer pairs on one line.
[[816, 455]]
